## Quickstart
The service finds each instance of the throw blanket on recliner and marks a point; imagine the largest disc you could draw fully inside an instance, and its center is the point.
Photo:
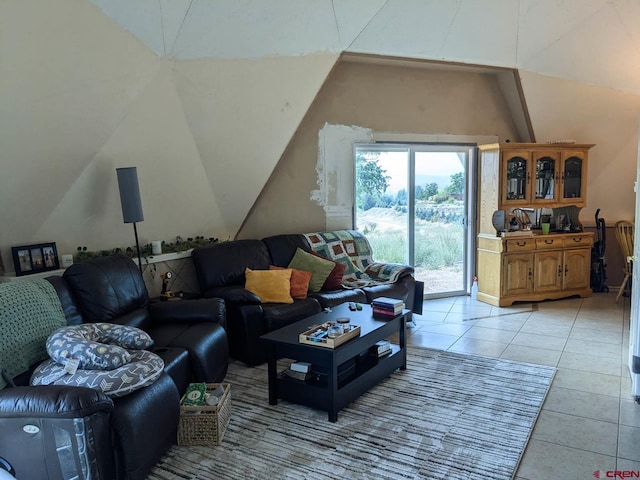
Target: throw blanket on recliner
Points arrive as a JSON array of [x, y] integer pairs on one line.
[[353, 250], [30, 311]]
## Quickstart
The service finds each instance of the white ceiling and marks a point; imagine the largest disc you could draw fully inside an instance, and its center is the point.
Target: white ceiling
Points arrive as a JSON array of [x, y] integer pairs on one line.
[[554, 37]]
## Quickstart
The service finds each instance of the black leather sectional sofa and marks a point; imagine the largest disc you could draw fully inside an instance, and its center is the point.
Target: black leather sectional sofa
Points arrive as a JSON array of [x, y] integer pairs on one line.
[[220, 269], [58, 432]]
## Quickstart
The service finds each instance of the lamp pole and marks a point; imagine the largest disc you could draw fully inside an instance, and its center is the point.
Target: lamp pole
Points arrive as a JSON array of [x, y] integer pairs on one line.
[[135, 232]]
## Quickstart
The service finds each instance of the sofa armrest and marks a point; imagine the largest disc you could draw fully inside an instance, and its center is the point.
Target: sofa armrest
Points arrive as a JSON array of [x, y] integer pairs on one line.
[[53, 401], [189, 311], [397, 270]]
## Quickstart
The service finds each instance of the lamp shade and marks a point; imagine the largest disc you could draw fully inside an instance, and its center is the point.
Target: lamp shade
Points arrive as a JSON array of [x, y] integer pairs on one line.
[[130, 195]]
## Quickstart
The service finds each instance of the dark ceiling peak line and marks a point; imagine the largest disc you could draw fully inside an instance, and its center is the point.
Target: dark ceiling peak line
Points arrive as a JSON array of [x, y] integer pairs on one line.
[[184, 19], [164, 44], [624, 26], [552, 41], [363, 28], [335, 18], [446, 36]]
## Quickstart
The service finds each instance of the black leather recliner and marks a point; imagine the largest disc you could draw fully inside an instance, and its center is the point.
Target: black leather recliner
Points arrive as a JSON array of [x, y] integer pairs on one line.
[[111, 289], [60, 432]]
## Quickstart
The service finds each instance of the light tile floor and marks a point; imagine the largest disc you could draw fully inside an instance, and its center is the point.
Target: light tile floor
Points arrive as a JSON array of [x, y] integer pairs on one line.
[[589, 421]]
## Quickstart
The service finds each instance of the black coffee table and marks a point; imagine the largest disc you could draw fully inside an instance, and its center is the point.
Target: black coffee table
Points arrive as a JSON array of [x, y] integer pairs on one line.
[[331, 393]]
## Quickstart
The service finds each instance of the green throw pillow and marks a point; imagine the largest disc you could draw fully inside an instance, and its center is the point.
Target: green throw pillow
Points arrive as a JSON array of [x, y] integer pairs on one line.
[[319, 267]]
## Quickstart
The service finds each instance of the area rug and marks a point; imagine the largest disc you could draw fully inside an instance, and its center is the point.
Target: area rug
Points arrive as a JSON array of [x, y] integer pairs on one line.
[[448, 416]]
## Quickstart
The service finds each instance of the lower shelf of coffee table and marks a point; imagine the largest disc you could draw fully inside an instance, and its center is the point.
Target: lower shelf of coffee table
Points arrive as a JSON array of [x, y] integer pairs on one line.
[[314, 393]]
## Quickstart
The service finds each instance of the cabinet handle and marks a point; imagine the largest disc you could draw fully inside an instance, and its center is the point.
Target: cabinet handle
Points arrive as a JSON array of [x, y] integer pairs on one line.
[[521, 244], [559, 270], [566, 270], [548, 242], [577, 239], [528, 178]]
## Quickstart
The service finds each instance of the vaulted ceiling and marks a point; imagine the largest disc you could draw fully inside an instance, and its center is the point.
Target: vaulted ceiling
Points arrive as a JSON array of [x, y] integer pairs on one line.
[[593, 41], [204, 96]]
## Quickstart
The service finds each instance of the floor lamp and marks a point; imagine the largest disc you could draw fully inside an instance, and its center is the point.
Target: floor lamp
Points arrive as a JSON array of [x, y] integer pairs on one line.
[[130, 201]]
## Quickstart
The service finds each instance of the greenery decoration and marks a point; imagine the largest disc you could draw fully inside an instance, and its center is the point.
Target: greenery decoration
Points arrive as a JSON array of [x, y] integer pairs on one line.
[[180, 245]]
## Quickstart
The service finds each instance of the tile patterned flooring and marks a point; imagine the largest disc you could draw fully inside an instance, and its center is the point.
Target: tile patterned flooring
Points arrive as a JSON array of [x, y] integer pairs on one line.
[[589, 421]]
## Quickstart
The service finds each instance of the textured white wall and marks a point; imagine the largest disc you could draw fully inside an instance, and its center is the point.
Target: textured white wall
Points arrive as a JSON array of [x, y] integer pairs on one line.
[[205, 96], [80, 97], [564, 109]]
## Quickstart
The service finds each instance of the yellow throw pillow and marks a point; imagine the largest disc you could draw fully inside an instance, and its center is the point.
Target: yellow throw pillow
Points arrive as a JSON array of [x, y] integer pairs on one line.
[[272, 286]]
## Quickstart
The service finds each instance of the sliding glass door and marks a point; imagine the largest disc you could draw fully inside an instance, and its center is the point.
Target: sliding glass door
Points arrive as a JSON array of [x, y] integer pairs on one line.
[[413, 203]]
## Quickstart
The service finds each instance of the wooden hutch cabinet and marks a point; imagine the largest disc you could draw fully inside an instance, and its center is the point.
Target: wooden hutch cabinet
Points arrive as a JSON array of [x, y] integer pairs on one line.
[[528, 266]]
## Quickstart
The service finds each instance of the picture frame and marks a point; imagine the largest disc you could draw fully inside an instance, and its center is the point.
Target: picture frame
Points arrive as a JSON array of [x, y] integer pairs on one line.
[[30, 259]]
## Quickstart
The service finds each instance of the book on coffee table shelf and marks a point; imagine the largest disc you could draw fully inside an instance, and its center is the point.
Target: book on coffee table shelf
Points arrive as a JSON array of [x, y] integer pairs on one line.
[[302, 376], [381, 348], [383, 314], [303, 367], [387, 306]]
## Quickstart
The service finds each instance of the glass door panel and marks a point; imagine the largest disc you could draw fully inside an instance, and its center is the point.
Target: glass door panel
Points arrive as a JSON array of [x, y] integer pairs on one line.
[[412, 204], [572, 178], [517, 178], [382, 178], [545, 178], [439, 233]]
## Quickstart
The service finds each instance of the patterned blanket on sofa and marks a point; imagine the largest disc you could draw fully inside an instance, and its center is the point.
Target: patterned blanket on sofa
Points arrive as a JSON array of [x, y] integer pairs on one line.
[[352, 249]]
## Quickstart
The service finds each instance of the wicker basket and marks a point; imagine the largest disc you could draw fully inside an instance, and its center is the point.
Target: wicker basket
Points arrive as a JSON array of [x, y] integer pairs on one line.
[[205, 425]]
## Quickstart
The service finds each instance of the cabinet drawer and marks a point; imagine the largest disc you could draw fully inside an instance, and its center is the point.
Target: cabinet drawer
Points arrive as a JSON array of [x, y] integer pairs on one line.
[[548, 241], [520, 245], [578, 240]]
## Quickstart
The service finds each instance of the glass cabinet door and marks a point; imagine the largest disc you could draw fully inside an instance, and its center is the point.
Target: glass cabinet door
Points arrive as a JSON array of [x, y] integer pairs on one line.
[[573, 173], [547, 167], [516, 177]]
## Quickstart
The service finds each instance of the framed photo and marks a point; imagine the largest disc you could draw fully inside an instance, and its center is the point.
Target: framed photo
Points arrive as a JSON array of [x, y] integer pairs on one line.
[[38, 258]]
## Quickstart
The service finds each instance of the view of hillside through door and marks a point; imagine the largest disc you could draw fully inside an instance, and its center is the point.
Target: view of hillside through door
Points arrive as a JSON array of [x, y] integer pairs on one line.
[[412, 202]]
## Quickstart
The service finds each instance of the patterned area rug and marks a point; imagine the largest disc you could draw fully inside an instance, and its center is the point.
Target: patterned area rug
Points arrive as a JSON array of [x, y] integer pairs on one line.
[[448, 416]]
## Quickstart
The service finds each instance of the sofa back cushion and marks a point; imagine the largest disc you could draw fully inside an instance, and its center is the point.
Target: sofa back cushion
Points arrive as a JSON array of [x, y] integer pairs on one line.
[[67, 299], [282, 248], [223, 264], [109, 289]]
